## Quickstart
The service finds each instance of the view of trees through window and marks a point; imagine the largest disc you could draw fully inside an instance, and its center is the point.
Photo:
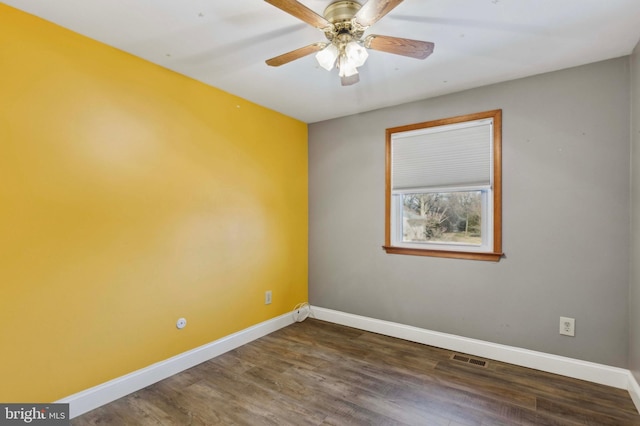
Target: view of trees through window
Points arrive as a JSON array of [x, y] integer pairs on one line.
[[453, 217]]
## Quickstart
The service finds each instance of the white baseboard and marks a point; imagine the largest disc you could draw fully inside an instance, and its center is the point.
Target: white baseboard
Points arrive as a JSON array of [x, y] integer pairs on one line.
[[634, 390], [97, 396], [584, 370]]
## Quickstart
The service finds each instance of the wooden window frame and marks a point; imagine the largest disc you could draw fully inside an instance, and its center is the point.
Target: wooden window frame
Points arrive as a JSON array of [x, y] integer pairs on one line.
[[496, 253]]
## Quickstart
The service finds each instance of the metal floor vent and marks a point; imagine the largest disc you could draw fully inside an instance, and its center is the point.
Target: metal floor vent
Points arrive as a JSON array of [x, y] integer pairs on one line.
[[468, 360]]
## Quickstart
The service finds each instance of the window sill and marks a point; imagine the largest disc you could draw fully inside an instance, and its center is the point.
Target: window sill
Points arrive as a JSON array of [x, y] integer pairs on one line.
[[485, 256]]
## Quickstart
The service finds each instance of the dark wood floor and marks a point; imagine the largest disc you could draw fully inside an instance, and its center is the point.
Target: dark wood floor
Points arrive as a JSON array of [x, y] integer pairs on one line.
[[317, 373]]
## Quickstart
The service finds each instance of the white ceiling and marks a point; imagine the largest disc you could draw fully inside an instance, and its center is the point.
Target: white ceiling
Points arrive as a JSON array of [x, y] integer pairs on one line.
[[477, 42]]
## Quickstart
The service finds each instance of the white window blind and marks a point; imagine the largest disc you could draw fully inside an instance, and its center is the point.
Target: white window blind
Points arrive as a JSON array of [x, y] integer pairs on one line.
[[457, 155]]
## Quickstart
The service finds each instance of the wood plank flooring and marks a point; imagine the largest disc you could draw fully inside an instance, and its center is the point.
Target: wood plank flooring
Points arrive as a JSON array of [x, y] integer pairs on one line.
[[318, 373]]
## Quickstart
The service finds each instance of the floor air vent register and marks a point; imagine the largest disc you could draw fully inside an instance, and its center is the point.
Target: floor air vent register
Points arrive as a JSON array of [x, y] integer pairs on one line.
[[469, 360]]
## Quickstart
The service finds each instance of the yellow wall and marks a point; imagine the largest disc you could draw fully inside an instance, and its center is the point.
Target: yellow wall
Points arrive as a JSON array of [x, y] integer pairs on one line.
[[131, 196]]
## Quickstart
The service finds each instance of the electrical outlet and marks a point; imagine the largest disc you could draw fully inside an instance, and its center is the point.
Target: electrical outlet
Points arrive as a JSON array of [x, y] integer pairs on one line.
[[181, 323], [267, 297], [567, 326]]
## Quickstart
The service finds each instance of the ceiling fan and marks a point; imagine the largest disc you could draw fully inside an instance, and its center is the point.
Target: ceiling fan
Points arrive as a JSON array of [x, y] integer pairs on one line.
[[344, 23]]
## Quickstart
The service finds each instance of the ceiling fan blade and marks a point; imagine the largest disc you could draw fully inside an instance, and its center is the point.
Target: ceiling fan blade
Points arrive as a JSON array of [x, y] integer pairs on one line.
[[373, 10], [300, 11], [348, 81], [295, 54], [399, 46]]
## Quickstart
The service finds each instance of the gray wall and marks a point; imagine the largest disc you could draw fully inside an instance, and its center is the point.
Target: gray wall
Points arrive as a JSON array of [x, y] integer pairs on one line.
[[565, 219], [634, 287]]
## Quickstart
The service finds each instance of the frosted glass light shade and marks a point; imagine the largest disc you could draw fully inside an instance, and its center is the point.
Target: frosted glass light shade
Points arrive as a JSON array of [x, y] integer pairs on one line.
[[347, 69], [357, 54], [327, 57]]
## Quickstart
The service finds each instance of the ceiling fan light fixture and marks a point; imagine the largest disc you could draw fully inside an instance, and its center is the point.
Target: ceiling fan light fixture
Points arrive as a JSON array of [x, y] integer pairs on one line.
[[356, 54], [344, 23], [327, 57]]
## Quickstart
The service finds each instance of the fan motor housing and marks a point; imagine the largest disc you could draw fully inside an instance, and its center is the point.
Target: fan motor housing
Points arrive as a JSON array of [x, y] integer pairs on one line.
[[341, 11]]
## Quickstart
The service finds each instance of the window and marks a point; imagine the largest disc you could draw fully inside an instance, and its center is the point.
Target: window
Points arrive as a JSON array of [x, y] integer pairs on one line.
[[444, 188]]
